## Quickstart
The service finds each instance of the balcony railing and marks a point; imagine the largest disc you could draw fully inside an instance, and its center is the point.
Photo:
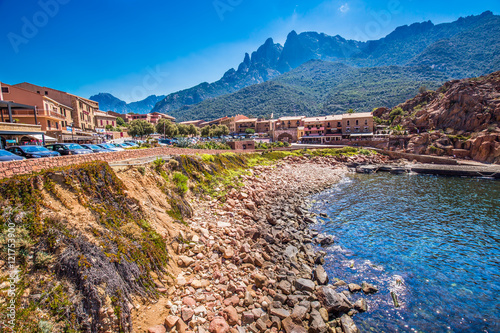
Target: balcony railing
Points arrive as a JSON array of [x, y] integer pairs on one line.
[[27, 113]]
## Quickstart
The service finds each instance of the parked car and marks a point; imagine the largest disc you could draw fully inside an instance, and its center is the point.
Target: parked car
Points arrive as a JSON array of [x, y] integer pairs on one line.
[[95, 148], [110, 146], [131, 143], [121, 145], [165, 142], [32, 151], [68, 149], [7, 156]]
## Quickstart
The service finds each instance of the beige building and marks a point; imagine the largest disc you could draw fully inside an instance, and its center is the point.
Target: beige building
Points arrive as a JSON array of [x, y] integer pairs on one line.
[[243, 124], [81, 120], [323, 129], [357, 125], [103, 119], [287, 128], [52, 116], [152, 118]]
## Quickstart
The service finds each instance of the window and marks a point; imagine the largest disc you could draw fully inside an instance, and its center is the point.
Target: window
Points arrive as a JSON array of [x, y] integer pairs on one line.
[[339, 124], [48, 124], [366, 121], [57, 125], [5, 90], [38, 92], [46, 93], [348, 123], [357, 122], [101, 122]]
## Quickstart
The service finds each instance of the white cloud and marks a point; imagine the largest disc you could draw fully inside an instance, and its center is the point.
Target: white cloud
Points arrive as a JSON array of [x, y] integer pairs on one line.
[[344, 8]]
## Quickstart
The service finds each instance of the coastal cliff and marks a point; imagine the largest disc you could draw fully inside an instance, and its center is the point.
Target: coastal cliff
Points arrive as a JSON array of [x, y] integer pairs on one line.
[[195, 243], [461, 118]]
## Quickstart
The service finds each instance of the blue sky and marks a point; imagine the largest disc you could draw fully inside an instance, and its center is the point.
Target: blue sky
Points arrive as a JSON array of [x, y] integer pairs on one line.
[[135, 48]]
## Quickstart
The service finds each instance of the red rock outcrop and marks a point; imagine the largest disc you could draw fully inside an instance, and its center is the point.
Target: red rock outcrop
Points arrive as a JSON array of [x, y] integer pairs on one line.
[[462, 116]]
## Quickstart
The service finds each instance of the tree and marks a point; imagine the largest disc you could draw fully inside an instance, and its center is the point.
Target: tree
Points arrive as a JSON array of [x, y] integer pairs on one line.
[[224, 130], [109, 127], [120, 121], [422, 89], [193, 130], [183, 129], [165, 126], [205, 131], [140, 128], [250, 131], [350, 111]]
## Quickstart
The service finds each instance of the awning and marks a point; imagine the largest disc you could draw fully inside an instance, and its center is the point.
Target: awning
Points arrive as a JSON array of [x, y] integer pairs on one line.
[[362, 134], [39, 137], [77, 138]]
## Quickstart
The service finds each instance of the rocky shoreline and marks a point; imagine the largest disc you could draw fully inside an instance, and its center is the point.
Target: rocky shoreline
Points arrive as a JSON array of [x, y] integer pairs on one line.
[[249, 265]]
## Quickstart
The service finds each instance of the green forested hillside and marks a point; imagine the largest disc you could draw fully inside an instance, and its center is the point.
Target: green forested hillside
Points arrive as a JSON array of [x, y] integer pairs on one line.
[[318, 88]]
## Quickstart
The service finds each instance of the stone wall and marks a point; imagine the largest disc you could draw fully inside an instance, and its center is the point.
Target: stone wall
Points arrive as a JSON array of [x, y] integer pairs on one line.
[[418, 158], [242, 145], [9, 169]]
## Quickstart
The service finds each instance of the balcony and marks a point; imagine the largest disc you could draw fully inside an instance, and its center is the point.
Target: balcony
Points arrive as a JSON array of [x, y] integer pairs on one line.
[[29, 113]]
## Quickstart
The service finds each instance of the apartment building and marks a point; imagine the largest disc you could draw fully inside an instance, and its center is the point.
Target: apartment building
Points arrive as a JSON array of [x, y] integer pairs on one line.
[[82, 109], [230, 122], [196, 123], [243, 125], [103, 119], [325, 129], [52, 115], [152, 118], [287, 128], [357, 125]]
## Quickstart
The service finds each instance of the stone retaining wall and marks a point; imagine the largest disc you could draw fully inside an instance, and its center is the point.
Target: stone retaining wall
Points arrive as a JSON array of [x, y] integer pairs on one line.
[[9, 169], [419, 158]]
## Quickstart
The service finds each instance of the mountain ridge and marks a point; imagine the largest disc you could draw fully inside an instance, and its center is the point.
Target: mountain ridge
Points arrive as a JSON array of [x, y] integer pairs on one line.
[[418, 44]]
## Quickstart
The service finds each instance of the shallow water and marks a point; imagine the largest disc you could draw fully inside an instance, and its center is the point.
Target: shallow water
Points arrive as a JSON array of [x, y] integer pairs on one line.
[[434, 241]]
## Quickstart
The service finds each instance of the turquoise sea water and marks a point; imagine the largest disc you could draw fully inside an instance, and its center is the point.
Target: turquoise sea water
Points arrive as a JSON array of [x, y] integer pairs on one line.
[[433, 241]]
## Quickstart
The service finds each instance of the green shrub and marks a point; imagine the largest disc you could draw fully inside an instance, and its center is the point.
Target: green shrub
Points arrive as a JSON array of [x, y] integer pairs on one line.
[[158, 163], [142, 170], [394, 113], [180, 181]]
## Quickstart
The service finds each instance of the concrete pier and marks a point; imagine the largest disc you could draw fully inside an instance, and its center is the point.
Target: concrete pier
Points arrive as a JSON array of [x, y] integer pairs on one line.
[[491, 171]]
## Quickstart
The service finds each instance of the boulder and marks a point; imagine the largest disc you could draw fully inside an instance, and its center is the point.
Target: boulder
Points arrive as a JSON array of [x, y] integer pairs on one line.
[[348, 325], [187, 314], [157, 329], [170, 321], [368, 288], [320, 275], [285, 286], [333, 302], [361, 305], [231, 316], [304, 285], [317, 324], [185, 261], [260, 280], [293, 326], [354, 288], [218, 325], [299, 312], [280, 313]]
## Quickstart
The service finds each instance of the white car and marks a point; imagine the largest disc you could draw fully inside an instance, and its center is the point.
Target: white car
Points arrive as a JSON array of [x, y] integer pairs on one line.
[[111, 147]]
